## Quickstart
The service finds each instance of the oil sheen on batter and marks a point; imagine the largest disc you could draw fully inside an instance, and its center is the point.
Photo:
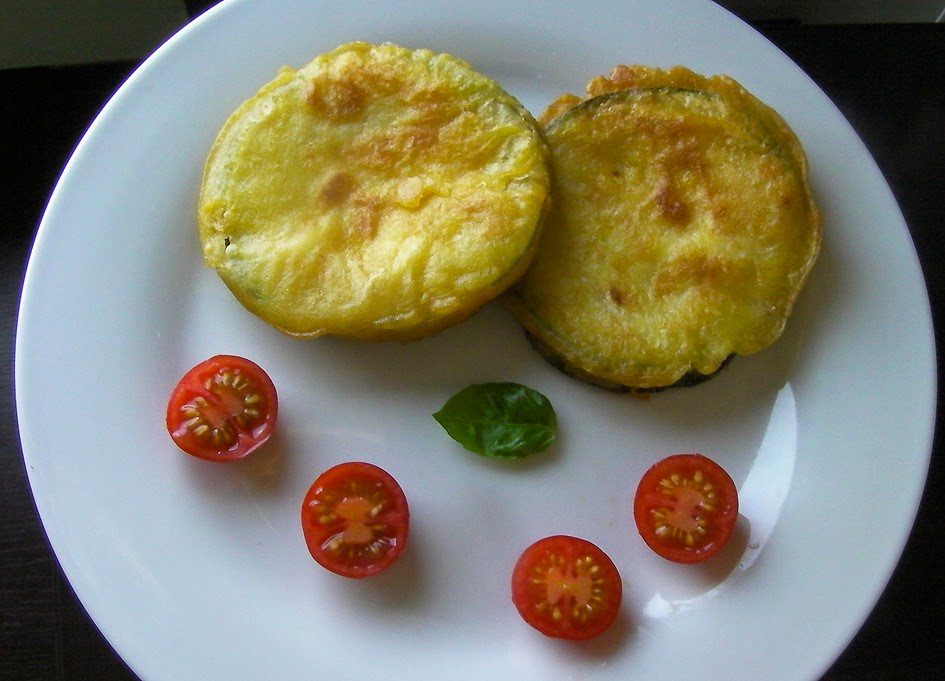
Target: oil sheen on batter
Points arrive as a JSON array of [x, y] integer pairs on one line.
[[682, 232]]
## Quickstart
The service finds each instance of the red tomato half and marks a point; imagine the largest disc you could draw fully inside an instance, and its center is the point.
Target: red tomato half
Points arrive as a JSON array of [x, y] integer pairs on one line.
[[222, 409], [355, 520], [566, 587], [686, 507]]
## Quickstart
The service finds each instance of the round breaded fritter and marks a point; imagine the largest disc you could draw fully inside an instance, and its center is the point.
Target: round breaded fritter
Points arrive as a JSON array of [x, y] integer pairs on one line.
[[377, 193], [683, 230]]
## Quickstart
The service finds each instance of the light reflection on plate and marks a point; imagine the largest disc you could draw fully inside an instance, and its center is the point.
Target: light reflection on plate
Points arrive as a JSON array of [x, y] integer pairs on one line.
[[760, 497]]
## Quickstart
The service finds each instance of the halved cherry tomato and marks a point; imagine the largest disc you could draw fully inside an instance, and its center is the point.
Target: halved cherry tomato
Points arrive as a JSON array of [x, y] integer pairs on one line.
[[686, 507], [222, 409], [566, 587], [355, 519]]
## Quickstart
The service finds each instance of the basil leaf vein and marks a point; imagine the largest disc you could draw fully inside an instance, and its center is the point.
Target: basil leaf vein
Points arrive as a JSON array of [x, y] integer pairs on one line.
[[503, 420]]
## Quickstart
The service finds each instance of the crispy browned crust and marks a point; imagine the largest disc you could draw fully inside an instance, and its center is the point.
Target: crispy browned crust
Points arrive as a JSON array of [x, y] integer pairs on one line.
[[377, 192], [664, 227]]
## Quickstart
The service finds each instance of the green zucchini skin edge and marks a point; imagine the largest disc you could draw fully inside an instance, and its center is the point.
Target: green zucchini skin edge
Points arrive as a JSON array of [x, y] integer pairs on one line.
[[692, 377], [758, 130], [687, 380]]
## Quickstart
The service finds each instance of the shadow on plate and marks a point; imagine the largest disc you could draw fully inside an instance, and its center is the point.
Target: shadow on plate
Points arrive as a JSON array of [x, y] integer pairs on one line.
[[487, 347], [685, 587], [263, 472], [400, 589], [608, 644]]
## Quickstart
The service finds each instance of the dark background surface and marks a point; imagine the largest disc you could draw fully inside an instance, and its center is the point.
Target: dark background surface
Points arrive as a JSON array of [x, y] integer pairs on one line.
[[889, 81]]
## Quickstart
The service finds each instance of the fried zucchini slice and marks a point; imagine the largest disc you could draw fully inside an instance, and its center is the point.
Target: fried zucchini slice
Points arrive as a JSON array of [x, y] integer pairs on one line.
[[683, 230], [378, 193]]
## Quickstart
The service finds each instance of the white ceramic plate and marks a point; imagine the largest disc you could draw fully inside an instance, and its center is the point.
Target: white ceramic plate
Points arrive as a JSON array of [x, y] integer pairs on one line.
[[198, 571]]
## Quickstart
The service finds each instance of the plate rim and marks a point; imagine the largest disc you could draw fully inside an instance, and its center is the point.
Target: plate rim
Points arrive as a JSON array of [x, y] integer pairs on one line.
[[108, 110]]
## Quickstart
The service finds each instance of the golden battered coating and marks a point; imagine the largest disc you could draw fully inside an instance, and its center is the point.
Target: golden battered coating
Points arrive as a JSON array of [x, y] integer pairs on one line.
[[377, 193], [683, 230]]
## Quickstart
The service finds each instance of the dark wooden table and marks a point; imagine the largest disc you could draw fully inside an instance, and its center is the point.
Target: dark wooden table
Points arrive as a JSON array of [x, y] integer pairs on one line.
[[888, 80]]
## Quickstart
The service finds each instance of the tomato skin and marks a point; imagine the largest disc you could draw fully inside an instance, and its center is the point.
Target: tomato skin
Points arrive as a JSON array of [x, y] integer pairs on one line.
[[355, 520], [567, 588], [686, 508], [222, 409]]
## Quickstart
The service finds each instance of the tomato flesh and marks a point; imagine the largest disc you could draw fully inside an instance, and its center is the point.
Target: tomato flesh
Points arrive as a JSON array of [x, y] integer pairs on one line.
[[222, 409], [355, 520], [686, 507], [566, 587]]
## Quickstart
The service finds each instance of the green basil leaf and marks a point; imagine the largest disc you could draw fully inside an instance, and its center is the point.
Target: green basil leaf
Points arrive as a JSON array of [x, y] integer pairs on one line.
[[504, 420]]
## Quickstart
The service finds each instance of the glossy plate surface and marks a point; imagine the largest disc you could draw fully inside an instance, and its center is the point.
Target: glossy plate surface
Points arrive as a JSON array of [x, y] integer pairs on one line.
[[196, 570]]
